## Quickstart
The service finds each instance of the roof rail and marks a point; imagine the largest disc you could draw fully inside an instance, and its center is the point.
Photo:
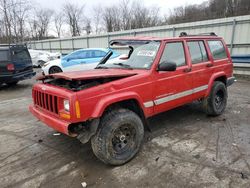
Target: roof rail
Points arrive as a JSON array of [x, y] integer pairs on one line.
[[184, 34], [13, 45]]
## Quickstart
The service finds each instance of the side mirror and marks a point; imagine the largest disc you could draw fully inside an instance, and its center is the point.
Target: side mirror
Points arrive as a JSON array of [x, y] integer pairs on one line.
[[167, 66]]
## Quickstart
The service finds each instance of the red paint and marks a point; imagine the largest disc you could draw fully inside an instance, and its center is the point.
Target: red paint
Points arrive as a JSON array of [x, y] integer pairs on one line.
[[139, 85]]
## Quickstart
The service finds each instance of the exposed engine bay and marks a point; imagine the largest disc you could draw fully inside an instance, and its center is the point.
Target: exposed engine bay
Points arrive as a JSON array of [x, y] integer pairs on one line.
[[78, 85]]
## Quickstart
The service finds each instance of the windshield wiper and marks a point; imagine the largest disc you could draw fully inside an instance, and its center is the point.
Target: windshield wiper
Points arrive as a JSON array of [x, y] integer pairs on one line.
[[123, 65]]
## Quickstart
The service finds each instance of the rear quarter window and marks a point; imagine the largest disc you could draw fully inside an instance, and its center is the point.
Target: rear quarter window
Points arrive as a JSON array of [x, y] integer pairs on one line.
[[217, 49]]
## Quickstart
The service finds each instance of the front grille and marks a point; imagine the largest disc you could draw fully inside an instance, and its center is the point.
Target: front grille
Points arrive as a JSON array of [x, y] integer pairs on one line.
[[46, 101]]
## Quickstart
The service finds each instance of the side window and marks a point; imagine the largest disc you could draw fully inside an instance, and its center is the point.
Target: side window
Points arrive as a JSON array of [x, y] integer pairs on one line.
[[76, 55], [197, 51], [174, 52], [99, 53], [217, 49], [87, 54]]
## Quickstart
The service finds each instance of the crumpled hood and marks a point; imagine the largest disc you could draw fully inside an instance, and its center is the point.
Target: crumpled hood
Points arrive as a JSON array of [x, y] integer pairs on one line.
[[92, 74]]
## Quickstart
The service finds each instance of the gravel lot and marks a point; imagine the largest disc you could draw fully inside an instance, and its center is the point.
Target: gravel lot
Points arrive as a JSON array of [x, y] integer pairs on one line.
[[185, 148]]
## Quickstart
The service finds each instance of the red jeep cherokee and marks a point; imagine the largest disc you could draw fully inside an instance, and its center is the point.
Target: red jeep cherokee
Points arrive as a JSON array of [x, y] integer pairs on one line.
[[110, 105]]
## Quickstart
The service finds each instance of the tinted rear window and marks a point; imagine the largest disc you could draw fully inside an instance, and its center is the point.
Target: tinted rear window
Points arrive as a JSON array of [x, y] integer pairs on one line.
[[4, 55], [21, 54], [217, 49]]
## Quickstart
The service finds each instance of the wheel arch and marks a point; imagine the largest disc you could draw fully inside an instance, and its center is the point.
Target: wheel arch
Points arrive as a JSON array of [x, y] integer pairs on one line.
[[129, 101], [54, 66], [220, 76]]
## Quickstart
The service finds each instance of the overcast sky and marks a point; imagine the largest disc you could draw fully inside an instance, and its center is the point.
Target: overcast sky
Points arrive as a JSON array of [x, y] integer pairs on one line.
[[165, 5]]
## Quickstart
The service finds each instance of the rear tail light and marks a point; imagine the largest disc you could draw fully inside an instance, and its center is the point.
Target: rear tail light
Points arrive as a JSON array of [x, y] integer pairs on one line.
[[10, 67]]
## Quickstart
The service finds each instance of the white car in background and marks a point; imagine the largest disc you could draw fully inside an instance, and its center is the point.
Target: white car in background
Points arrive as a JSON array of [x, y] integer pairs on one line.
[[84, 59], [39, 57]]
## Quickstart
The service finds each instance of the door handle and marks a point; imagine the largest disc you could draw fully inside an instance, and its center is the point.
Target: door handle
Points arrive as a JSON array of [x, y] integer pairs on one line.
[[209, 65], [187, 70]]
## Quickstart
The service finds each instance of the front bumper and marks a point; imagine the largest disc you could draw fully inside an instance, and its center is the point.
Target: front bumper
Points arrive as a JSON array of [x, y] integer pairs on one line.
[[53, 122], [230, 81], [16, 77]]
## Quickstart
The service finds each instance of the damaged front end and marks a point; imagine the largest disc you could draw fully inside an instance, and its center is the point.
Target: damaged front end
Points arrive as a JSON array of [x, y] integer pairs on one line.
[[78, 85], [84, 131], [77, 82]]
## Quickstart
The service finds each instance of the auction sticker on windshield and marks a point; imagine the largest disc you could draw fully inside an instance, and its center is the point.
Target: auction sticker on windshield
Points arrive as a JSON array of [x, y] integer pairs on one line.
[[148, 53]]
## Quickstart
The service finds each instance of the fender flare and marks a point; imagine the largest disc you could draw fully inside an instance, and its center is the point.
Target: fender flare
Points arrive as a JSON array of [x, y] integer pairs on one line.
[[212, 79], [112, 99]]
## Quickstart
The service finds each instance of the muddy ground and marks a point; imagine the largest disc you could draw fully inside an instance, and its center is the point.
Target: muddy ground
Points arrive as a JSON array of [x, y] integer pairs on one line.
[[185, 148]]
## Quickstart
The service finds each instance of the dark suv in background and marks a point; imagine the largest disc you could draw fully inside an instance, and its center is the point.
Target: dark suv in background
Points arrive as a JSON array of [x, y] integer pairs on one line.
[[15, 64]]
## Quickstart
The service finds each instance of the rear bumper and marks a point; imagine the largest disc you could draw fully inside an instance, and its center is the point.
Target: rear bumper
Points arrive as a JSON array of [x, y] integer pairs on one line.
[[230, 81], [16, 77], [55, 123]]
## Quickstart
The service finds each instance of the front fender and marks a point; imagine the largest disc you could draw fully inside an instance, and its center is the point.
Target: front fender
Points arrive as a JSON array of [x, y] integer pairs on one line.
[[112, 99], [212, 79]]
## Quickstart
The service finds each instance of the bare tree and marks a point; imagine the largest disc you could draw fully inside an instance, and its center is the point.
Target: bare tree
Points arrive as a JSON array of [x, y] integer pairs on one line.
[[33, 29], [58, 22], [111, 17], [87, 28], [5, 9], [125, 11], [43, 17], [97, 18], [143, 16], [74, 16], [19, 14]]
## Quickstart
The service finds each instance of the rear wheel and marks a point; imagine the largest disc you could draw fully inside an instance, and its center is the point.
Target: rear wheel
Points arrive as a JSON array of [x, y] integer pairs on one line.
[[54, 70], [119, 137], [216, 102]]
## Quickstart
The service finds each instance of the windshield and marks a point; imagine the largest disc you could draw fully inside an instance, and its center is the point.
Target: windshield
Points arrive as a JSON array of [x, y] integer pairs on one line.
[[141, 58]]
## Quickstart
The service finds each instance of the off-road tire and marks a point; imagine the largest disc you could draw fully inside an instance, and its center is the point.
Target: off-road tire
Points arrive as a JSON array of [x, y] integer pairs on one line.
[[216, 102], [105, 143], [54, 69]]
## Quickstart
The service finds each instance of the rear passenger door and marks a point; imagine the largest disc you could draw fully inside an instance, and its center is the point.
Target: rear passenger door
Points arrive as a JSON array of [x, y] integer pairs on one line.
[[202, 67]]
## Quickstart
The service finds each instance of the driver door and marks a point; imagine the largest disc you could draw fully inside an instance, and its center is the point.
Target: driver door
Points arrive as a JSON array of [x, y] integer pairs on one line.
[[173, 88]]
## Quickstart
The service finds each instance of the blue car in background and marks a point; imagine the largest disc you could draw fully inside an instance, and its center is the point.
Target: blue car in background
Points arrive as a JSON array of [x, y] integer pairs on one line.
[[84, 59]]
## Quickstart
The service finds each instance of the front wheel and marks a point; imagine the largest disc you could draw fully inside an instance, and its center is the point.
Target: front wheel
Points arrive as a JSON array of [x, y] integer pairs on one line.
[[119, 137], [216, 102], [54, 70]]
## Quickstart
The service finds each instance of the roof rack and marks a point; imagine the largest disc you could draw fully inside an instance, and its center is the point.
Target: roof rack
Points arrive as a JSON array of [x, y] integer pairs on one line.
[[184, 34], [13, 45], [24, 44]]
